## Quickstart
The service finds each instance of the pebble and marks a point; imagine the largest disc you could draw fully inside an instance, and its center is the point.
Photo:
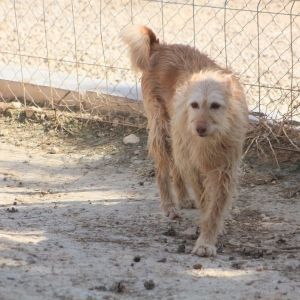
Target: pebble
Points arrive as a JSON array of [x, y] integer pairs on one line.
[[53, 150], [8, 113], [197, 266], [259, 268], [12, 210], [137, 258], [237, 265], [115, 122], [257, 295], [29, 113], [16, 104], [149, 284], [181, 248], [162, 260], [170, 232], [292, 264], [118, 287], [3, 133], [4, 106], [131, 139], [100, 288]]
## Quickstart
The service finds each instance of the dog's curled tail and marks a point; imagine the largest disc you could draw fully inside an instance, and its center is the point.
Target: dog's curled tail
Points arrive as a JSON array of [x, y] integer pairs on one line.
[[140, 40]]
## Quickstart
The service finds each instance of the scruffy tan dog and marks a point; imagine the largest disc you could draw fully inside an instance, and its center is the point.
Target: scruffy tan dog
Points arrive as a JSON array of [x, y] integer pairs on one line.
[[197, 120]]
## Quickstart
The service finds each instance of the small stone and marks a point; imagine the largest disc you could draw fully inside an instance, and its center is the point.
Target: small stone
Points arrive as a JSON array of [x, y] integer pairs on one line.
[[136, 152], [197, 266], [181, 248], [220, 248], [141, 183], [149, 284], [118, 287], [16, 104], [8, 113], [281, 241], [257, 295], [131, 139], [136, 161], [100, 288], [3, 133], [268, 251], [162, 260], [170, 232], [292, 264], [137, 258], [259, 268], [237, 265], [29, 113], [53, 150], [151, 173], [10, 278], [12, 210], [4, 106], [236, 211], [115, 122], [15, 203]]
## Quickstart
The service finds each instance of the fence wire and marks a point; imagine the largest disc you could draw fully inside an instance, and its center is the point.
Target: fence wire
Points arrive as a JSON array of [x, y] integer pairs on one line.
[[68, 54]]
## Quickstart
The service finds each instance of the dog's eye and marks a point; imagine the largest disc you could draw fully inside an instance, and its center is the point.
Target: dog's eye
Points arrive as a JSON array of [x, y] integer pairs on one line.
[[215, 105], [194, 105]]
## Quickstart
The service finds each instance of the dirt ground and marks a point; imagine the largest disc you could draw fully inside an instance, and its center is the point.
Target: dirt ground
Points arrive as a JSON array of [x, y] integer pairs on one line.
[[80, 219]]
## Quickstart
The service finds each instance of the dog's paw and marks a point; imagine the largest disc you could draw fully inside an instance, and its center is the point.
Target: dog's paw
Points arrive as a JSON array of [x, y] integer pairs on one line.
[[171, 213], [204, 249], [186, 204]]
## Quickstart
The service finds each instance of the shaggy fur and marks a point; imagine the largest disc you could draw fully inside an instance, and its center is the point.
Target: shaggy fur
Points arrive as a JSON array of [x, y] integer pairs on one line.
[[197, 120]]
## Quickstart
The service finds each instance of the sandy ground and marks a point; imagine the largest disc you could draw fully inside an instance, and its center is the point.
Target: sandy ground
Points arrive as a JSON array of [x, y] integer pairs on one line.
[[81, 39], [84, 223]]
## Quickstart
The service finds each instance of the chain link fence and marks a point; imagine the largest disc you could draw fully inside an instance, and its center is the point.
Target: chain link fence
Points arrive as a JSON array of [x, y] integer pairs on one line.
[[67, 54]]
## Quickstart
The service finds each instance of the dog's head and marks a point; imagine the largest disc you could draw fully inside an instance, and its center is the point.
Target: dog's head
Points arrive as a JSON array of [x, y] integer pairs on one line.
[[207, 100]]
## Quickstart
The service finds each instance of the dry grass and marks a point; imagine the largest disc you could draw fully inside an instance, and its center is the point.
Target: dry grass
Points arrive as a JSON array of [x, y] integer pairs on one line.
[[279, 139]]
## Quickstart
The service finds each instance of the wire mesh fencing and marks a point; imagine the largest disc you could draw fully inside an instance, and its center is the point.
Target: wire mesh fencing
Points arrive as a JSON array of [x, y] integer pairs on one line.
[[67, 54]]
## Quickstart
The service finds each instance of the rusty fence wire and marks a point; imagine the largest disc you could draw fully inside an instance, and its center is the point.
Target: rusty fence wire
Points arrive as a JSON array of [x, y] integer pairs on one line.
[[67, 54]]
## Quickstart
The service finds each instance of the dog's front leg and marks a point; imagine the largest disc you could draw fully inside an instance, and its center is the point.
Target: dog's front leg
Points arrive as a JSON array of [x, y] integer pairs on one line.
[[182, 196], [218, 191]]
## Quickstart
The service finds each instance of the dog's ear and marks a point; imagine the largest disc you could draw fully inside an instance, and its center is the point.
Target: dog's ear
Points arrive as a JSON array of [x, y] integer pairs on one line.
[[228, 80], [233, 87], [228, 83]]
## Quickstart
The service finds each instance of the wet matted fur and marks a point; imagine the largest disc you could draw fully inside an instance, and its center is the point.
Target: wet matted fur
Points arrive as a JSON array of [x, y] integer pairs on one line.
[[197, 121]]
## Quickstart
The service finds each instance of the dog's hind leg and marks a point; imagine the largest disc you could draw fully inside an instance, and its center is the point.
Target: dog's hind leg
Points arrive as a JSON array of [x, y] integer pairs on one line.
[[182, 195], [160, 150], [218, 190]]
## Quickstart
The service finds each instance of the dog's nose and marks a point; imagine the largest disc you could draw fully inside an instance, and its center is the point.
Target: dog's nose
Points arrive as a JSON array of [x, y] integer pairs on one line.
[[201, 129]]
